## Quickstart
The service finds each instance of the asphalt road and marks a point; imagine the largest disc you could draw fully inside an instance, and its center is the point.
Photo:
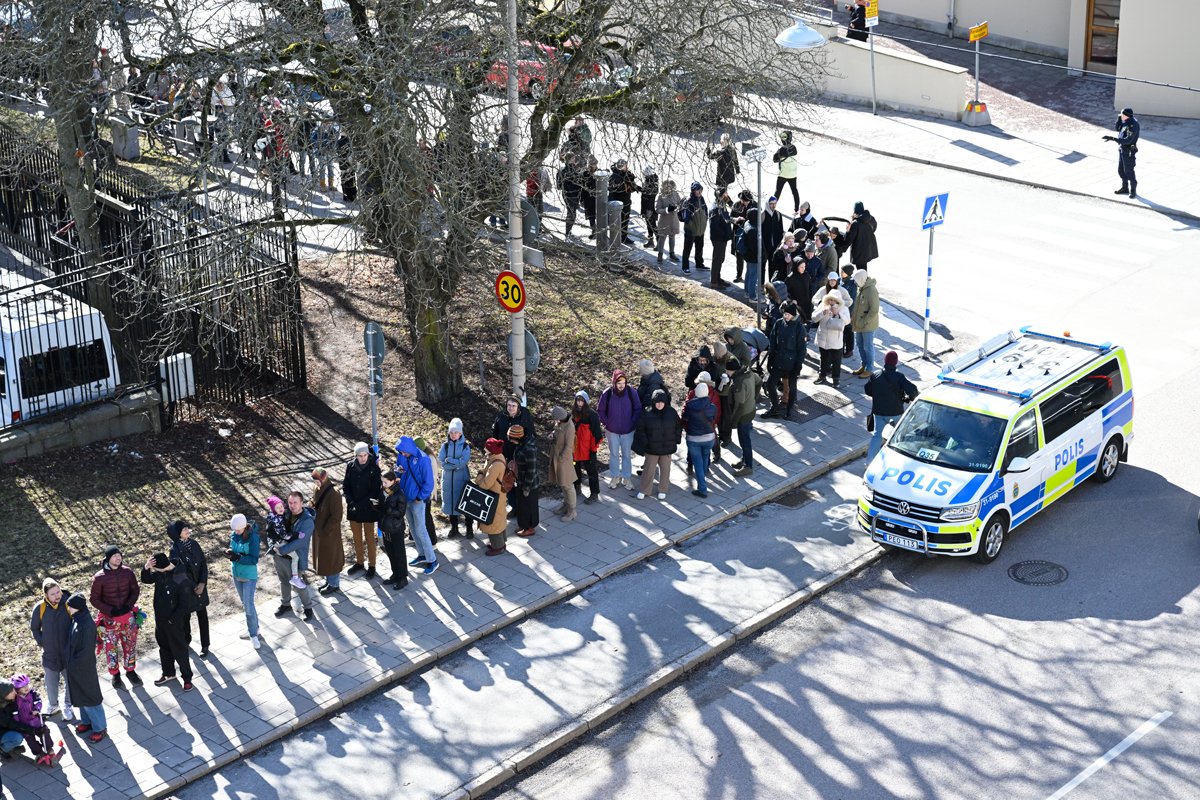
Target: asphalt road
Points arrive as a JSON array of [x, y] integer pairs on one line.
[[946, 679], [920, 679]]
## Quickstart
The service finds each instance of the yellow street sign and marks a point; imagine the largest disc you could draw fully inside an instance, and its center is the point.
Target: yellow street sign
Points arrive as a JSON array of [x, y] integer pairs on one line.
[[872, 13], [980, 31]]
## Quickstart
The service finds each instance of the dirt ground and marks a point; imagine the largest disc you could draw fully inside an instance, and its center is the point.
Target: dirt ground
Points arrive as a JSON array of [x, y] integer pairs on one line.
[[60, 511]]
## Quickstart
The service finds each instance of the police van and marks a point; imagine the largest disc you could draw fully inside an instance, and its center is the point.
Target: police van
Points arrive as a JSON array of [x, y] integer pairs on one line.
[[1008, 429], [55, 351]]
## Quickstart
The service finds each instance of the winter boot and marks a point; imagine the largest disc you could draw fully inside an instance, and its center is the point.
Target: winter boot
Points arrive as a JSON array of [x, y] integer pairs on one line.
[[454, 528], [470, 534]]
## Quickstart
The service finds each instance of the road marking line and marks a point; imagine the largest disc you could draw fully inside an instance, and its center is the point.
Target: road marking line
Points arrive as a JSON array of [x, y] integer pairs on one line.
[[1103, 760]]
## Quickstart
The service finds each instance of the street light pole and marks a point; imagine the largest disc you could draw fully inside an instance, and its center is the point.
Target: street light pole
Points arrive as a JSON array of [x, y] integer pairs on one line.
[[757, 155], [516, 244]]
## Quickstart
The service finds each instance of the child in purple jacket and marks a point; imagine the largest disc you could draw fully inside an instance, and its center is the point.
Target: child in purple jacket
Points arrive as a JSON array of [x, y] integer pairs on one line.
[[29, 712]]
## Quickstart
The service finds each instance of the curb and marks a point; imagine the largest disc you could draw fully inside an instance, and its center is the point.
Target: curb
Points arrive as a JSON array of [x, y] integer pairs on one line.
[[981, 173], [659, 679], [499, 773]]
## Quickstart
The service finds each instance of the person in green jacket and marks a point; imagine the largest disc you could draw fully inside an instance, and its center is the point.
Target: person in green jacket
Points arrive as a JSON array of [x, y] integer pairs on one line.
[[865, 321], [741, 412], [244, 545]]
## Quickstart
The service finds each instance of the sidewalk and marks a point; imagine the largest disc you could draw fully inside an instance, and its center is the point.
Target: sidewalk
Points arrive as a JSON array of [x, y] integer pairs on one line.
[[370, 636], [1045, 131]]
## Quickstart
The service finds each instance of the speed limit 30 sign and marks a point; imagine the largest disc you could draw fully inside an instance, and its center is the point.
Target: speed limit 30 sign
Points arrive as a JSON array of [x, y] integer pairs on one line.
[[510, 291]]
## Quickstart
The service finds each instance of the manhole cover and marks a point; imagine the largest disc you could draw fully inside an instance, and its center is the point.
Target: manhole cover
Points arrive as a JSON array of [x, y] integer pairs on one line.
[[1038, 573]]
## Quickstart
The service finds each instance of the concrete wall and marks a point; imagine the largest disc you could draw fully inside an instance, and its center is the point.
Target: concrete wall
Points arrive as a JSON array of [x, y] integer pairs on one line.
[[1150, 49], [903, 82], [1038, 26], [126, 416]]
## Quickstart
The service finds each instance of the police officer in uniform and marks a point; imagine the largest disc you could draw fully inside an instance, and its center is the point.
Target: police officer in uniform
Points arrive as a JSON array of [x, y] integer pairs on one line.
[[1128, 131]]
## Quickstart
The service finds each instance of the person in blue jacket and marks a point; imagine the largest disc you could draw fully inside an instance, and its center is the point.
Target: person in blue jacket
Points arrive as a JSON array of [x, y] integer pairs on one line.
[[455, 458], [299, 524], [416, 482]]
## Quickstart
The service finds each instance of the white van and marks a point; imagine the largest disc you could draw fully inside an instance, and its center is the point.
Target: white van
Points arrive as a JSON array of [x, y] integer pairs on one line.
[[55, 351], [1009, 428]]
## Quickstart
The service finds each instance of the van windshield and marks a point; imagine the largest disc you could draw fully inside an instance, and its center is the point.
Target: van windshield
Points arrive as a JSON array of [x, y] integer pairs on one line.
[[951, 437]]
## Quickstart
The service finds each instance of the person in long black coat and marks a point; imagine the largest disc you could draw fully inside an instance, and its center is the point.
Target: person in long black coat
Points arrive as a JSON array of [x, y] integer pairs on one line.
[[362, 490], [171, 617], [860, 237], [82, 681], [191, 555]]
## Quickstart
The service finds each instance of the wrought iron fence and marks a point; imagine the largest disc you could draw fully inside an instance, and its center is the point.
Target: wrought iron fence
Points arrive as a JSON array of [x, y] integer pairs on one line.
[[204, 307]]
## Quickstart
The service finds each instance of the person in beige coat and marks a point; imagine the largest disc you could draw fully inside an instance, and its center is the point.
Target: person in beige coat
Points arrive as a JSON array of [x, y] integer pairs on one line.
[[490, 478], [562, 460]]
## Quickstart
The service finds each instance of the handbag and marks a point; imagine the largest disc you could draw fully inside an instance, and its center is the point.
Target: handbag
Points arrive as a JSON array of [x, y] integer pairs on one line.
[[478, 503], [870, 423]]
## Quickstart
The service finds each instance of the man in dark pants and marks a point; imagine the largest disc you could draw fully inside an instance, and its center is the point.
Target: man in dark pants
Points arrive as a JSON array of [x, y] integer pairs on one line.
[[1128, 131], [171, 616], [621, 187], [694, 227]]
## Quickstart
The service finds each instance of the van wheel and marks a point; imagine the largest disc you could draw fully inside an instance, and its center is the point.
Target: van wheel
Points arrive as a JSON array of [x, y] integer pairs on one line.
[[1110, 460], [992, 540]]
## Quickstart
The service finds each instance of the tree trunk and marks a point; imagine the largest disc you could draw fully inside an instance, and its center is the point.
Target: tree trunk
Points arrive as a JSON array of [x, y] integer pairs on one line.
[[437, 372]]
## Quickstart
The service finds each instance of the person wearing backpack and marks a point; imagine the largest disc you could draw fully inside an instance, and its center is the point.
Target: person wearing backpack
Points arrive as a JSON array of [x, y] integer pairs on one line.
[[491, 478], [174, 596], [889, 391], [51, 626], [190, 554]]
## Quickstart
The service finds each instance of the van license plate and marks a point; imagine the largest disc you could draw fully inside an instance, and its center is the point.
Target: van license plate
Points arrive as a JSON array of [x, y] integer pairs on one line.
[[904, 541]]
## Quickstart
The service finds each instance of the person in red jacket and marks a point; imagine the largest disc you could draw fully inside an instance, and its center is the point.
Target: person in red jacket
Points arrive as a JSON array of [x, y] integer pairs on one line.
[[115, 593], [588, 435]]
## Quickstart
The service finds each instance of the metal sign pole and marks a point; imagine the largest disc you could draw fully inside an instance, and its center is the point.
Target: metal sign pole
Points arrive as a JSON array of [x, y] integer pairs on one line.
[[761, 265], [516, 244], [928, 293], [374, 423], [871, 42], [977, 41]]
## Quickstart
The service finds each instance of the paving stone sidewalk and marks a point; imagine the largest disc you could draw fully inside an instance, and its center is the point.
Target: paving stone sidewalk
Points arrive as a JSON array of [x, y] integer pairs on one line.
[[370, 636], [1045, 131]]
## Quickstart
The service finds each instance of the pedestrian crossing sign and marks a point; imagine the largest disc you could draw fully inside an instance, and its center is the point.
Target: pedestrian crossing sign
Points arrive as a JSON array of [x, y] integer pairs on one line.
[[935, 211]]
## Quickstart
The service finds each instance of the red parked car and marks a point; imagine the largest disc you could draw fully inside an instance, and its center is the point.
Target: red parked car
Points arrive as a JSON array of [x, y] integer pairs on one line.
[[538, 66]]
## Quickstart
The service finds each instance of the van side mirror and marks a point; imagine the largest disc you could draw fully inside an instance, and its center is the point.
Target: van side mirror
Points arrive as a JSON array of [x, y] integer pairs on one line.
[[1018, 464]]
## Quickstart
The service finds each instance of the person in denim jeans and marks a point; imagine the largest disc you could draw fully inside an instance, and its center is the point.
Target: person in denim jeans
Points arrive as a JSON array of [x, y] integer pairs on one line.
[[889, 391], [619, 410], [699, 420], [244, 544], [82, 681], [864, 317], [416, 482]]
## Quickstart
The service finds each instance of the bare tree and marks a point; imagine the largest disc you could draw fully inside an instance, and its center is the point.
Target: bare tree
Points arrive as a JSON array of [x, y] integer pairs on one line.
[[416, 89]]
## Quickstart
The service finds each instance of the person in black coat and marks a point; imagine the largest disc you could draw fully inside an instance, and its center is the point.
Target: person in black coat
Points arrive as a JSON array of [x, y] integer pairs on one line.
[[190, 554], [727, 164], [801, 285], [742, 207], [720, 233], [701, 362], [1129, 130], [772, 227], [649, 212], [856, 29], [889, 391], [785, 359], [83, 684], [860, 237], [392, 526], [171, 617], [650, 380], [621, 186], [513, 414], [524, 495], [659, 431], [362, 492]]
